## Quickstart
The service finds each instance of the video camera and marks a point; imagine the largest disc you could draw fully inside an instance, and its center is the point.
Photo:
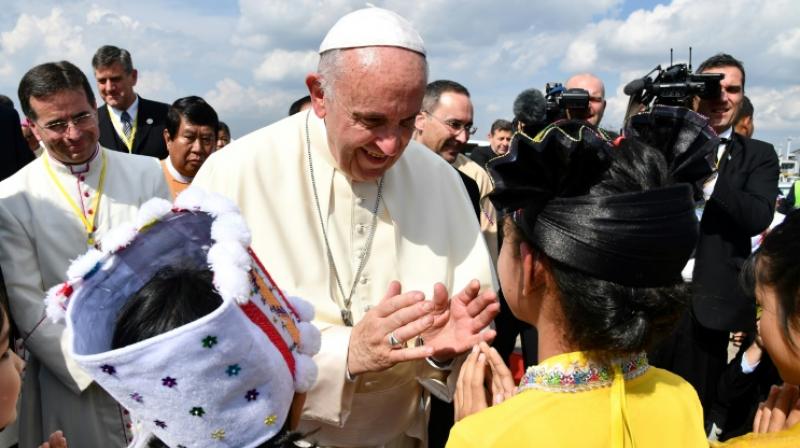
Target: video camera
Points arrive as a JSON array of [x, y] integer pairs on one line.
[[561, 103], [674, 86]]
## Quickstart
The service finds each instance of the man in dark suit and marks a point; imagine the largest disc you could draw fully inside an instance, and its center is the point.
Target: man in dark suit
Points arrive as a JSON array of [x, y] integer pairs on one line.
[[740, 202], [499, 140], [128, 123]]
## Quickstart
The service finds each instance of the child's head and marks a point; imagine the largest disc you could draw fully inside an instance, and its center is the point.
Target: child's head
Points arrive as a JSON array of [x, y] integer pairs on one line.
[[775, 269], [177, 319], [11, 367]]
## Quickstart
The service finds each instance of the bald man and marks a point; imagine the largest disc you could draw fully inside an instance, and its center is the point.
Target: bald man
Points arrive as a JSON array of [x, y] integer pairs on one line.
[[597, 94]]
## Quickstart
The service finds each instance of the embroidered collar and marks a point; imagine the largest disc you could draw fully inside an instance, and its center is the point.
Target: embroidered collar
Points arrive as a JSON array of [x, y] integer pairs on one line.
[[574, 372], [75, 168]]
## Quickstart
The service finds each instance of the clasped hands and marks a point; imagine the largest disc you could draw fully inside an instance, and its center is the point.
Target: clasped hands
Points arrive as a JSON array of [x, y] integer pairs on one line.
[[447, 327]]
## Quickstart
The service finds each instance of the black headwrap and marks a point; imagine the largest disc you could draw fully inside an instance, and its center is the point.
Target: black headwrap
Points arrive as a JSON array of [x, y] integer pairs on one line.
[[639, 239], [685, 138]]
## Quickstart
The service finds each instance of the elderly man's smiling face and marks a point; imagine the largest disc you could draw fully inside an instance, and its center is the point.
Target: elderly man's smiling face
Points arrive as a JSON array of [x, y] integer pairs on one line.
[[370, 118]]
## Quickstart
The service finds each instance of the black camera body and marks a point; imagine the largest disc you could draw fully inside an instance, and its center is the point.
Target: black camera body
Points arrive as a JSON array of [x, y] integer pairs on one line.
[[559, 101], [677, 86]]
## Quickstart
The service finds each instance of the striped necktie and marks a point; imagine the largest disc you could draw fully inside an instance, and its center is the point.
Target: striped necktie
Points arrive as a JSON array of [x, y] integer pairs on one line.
[[127, 126]]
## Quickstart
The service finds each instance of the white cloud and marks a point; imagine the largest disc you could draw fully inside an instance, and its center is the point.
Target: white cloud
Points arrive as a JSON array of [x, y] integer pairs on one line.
[[155, 84], [786, 44], [97, 15], [281, 64]]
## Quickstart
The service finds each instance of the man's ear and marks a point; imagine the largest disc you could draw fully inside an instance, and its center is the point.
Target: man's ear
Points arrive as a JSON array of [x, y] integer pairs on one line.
[[419, 122], [135, 76], [318, 103]]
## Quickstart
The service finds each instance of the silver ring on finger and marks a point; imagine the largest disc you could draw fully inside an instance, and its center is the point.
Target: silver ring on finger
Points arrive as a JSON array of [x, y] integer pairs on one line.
[[393, 341]]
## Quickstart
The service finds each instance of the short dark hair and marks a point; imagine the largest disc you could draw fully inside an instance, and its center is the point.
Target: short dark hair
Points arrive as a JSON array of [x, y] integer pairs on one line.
[[6, 101], [501, 125], [109, 55], [298, 104], [722, 60], [48, 78], [776, 263], [195, 110], [174, 297], [435, 89], [224, 127], [745, 110]]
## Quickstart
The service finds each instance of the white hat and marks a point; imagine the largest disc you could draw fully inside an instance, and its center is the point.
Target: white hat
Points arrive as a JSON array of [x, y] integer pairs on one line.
[[372, 27], [226, 379]]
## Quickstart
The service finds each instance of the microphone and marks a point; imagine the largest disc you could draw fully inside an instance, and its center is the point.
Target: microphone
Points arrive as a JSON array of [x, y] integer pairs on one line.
[[530, 108], [636, 86]]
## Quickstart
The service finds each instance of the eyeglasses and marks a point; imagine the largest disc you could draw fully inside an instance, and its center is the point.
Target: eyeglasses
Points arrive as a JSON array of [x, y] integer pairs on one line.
[[455, 125], [81, 121]]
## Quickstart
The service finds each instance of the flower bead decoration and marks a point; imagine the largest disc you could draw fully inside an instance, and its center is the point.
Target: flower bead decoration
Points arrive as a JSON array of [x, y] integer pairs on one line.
[[109, 369], [169, 381], [197, 411], [233, 370], [270, 420], [137, 397], [161, 424], [251, 395], [218, 434], [209, 341]]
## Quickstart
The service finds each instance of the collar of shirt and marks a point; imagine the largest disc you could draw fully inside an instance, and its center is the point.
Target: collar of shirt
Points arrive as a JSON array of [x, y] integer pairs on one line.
[[175, 174], [726, 134], [131, 110], [77, 168]]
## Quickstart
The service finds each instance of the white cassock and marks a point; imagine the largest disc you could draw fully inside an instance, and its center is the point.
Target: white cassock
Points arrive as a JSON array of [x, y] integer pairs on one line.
[[40, 234], [488, 213], [426, 233]]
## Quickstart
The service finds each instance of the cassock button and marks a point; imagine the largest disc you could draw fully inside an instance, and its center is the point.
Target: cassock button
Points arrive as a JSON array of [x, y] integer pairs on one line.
[[90, 211], [86, 194], [81, 177]]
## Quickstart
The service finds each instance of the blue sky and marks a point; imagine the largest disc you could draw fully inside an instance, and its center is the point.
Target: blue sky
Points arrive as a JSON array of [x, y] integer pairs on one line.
[[249, 58]]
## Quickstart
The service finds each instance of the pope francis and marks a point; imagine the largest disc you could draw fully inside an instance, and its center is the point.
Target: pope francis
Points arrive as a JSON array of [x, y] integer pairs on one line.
[[375, 230]]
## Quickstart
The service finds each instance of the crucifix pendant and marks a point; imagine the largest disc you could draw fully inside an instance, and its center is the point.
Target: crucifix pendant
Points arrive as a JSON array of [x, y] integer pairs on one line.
[[347, 317]]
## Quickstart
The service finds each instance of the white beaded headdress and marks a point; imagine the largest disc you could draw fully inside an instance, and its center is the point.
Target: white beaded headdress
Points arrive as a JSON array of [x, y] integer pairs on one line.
[[226, 379]]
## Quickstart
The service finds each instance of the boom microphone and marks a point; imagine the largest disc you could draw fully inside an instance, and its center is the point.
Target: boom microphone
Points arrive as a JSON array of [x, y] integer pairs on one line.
[[530, 108], [636, 86]]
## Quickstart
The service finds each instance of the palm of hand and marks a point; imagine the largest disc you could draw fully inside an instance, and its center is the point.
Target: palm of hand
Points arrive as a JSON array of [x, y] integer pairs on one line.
[[454, 330]]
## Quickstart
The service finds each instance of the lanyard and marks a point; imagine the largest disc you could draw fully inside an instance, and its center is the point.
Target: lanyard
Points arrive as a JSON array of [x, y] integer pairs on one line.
[[89, 226], [118, 127]]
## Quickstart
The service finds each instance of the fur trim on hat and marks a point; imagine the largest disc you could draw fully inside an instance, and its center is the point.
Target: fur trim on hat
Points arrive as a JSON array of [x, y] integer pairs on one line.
[[310, 339], [305, 373], [151, 211], [84, 264]]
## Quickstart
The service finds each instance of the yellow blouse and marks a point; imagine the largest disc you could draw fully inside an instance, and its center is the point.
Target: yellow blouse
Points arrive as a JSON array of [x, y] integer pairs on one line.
[[788, 438], [569, 401]]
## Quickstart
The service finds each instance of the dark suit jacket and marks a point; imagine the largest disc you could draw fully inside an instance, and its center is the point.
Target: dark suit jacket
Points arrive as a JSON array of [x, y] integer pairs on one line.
[[149, 138], [473, 192], [742, 205], [14, 151]]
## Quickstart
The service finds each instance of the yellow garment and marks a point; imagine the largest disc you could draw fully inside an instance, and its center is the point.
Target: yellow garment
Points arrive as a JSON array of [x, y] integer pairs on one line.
[[788, 438], [488, 212], [660, 410], [426, 233]]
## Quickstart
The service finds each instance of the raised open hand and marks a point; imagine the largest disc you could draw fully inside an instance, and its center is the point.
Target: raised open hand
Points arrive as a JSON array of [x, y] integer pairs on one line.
[[461, 326]]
